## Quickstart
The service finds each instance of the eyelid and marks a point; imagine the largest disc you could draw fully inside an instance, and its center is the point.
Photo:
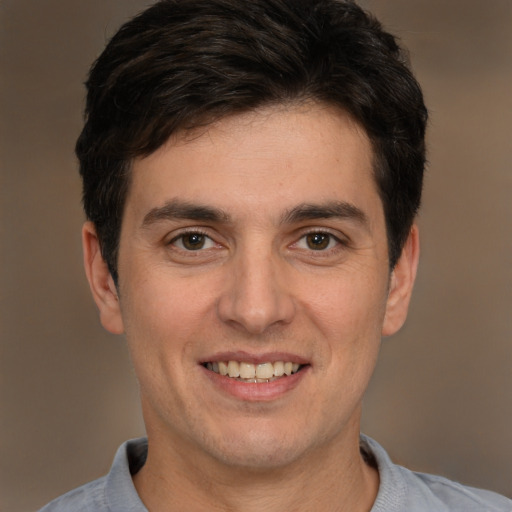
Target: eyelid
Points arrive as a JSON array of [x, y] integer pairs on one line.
[[178, 233], [334, 233]]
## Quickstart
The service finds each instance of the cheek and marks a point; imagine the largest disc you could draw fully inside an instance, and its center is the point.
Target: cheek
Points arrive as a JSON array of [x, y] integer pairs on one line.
[[349, 316], [346, 304], [167, 317], [161, 329], [162, 299]]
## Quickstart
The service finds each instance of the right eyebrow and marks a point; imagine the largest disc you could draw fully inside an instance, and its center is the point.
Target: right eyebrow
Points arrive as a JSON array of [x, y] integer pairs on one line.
[[329, 210], [177, 209]]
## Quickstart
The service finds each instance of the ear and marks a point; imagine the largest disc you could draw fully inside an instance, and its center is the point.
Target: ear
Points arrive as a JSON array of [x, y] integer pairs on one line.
[[102, 285], [401, 284]]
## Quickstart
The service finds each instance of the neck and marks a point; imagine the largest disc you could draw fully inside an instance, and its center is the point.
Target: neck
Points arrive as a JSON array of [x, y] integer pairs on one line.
[[333, 477]]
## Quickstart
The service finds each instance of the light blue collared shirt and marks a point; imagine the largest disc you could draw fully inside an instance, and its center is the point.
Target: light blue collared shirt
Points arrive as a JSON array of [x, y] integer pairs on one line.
[[400, 490]]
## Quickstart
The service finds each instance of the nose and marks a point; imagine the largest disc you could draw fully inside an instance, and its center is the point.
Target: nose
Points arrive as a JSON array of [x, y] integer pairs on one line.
[[257, 294]]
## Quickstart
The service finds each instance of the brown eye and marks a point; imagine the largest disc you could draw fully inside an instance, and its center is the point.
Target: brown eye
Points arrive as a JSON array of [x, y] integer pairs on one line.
[[192, 241], [318, 241]]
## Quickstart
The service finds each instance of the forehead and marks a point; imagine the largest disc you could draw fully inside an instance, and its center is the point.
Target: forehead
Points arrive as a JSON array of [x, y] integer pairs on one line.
[[269, 158], [311, 125]]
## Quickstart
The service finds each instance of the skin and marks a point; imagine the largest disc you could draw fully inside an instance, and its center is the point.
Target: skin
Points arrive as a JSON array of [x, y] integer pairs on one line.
[[255, 287]]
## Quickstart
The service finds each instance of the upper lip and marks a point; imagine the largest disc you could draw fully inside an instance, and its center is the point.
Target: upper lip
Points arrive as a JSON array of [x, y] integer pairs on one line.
[[247, 357]]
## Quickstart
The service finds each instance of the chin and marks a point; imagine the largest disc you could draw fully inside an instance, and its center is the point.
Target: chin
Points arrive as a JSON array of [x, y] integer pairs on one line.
[[258, 449]]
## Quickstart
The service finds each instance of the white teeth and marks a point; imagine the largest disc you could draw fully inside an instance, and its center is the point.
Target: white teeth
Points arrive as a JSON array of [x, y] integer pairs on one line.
[[223, 368], [279, 368], [265, 371], [256, 373], [247, 371], [233, 369]]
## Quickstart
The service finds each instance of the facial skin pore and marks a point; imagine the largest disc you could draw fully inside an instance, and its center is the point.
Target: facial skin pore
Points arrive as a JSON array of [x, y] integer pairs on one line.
[[260, 239]]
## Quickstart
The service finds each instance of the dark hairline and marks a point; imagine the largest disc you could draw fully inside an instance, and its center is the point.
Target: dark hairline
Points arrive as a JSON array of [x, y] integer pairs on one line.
[[131, 112], [192, 132]]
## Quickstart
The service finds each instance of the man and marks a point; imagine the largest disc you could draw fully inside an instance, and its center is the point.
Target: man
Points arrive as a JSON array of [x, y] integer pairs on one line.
[[252, 172]]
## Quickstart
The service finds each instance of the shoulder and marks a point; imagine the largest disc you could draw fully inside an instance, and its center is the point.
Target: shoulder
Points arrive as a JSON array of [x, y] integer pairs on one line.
[[460, 497], [402, 490], [114, 492], [89, 497]]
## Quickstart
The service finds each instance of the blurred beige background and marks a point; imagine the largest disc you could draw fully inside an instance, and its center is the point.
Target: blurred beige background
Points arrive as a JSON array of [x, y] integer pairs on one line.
[[441, 399]]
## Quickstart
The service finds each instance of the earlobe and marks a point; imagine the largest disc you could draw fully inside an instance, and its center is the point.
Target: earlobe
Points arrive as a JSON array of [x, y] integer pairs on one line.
[[102, 285], [401, 284]]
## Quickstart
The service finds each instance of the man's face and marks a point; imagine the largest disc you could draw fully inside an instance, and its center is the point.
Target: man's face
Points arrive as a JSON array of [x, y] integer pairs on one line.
[[254, 246]]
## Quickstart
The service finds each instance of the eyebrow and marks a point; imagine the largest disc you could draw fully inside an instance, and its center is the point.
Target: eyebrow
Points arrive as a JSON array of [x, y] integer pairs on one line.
[[176, 209], [329, 210]]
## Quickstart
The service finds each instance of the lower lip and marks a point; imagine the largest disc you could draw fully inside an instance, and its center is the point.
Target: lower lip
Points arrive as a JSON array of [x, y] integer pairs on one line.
[[257, 391]]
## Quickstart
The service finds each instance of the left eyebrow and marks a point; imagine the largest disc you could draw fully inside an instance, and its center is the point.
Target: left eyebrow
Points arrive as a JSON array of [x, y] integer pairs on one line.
[[176, 209], [332, 209]]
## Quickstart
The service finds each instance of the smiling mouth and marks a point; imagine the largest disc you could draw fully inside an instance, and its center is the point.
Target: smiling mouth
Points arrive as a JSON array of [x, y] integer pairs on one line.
[[254, 373]]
